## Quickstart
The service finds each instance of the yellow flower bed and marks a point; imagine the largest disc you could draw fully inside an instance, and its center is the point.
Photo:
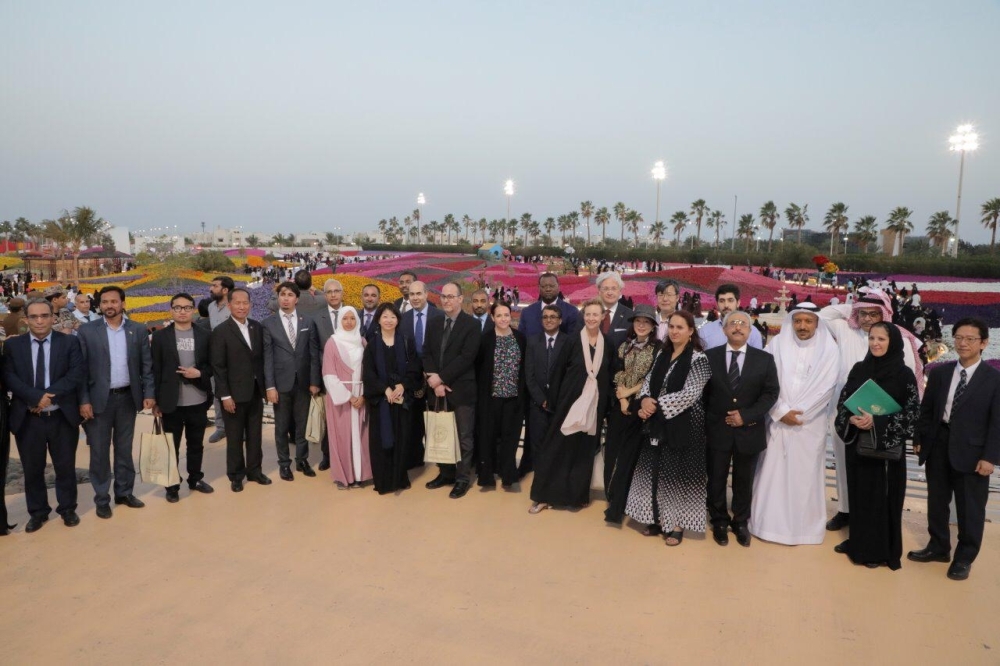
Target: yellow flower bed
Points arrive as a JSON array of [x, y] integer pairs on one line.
[[135, 302], [353, 284], [146, 317]]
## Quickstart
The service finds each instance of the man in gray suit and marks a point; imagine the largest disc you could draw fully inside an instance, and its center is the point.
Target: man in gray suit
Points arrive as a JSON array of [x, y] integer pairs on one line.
[[324, 323], [286, 378], [119, 384]]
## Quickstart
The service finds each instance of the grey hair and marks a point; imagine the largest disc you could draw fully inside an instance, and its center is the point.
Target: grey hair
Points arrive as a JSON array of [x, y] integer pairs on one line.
[[40, 301], [610, 275], [735, 313], [332, 281]]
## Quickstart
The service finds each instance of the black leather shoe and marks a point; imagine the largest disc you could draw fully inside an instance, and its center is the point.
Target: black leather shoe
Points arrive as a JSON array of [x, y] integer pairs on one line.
[[237, 486], [459, 490], [261, 479], [742, 535], [286, 474], [130, 501], [928, 555], [202, 487], [305, 468], [173, 496], [841, 547], [5, 529], [70, 519], [104, 511], [35, 523], [720, 535], [957, 570], [324, 465], [438, 482], [838, 522]]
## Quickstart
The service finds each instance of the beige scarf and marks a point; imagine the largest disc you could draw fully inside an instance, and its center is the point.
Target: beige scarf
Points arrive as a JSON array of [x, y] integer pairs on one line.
[[582, 416]]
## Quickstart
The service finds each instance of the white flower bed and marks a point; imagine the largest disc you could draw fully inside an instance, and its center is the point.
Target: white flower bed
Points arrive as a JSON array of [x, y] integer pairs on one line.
[[976, 287], [992, 350]]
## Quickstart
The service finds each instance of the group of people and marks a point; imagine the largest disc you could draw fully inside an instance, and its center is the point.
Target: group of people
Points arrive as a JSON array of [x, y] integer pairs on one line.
[[681, 408]]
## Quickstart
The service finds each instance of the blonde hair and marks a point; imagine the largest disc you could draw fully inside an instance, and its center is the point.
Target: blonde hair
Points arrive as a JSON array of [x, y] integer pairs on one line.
[[592, 301]]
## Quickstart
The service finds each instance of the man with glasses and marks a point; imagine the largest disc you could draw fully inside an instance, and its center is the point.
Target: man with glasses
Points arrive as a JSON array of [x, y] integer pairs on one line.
[[849, 325], [44, 371], [958, 439], [727, 300], [543, 349], [182, 374]]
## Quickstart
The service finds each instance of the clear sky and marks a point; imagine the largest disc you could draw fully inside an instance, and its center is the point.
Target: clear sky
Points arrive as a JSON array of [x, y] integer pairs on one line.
[[298, 116]]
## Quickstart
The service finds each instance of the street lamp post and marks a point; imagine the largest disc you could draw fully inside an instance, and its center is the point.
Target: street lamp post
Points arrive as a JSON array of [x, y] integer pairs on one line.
[[420, 202], [963, 141], [845, 243], [508, 189], [659, 174]]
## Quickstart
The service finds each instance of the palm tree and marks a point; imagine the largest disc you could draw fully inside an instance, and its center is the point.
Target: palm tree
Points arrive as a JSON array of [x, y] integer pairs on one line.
[[634, 222], [252, 240], [939, 229], [574, 218], [512, 228], [565, 224], [769, 218], [656, 230], [745, 229], [716, 221], [494, 227], [680, 220], [329, 237], [991, 213], [866, 231], [835, 222], [278, 239], [428, 231], [526, 223], [290, 239], [899, 223], [407, 223], [468, 224], [601, 218], [25, 229], [383, 227], [620, 212], [416, 218], [698, 209], [449, 221], [550, 226], [798, 217], [6, 228], [587, 212]]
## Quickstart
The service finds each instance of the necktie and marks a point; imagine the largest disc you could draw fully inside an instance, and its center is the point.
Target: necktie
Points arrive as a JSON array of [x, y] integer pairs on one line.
[[606, 322], [959, 390], [291, 331], [368, 321], [548, 360], [482, 323], [734, 372], [418, 333], [40, 365], [445, 336]]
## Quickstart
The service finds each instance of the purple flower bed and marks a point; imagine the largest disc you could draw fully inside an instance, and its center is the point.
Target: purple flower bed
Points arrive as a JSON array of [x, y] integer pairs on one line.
[[951, 312]]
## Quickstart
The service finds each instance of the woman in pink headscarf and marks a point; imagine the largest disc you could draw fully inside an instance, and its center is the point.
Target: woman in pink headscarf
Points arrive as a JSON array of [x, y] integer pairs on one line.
[[346, 417]]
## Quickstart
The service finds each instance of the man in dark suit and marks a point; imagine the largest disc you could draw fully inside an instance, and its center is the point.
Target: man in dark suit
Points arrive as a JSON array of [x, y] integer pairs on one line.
[[322, 326], [548, 294], [182, 376], [958, 439], [43, 371], [237, 353], [481, 310], [449, 364], [370, 296], [414, 327], [119, 384], [287, 377], [406, 278], [543, 349], [615, 324], [743, 388]]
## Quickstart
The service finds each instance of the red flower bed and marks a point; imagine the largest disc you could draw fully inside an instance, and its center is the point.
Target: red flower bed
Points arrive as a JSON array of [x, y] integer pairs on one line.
[[960, 297]]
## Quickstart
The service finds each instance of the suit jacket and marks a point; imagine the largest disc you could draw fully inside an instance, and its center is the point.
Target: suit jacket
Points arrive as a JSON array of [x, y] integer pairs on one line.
[[166, 360], [758, 392], [320, 331], [531, 319], [457, 369], [66, 374], [287, 369], [93, 339], [237, 368], [433, 315], [488, 326], [367, 333], [619, 326], [974, 432], [534, 366]]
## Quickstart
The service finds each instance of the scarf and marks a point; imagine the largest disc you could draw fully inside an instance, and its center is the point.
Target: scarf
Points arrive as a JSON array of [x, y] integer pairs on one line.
[[888, 371], [582, 415], [351, 346], [389, 379], [878, 298]]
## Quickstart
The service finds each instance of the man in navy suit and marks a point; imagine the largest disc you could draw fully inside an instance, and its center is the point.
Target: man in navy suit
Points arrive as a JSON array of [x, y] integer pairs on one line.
[[370, 296], [414, 325], [119, 383], [43, 371], [958, 439], [548, 294]]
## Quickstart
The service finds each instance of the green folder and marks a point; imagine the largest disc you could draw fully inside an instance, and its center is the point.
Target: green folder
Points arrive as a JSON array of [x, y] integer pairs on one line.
[[871, 398]]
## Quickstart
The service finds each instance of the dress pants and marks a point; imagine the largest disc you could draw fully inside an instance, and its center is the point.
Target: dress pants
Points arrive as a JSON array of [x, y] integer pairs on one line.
[[465, 420], [54, 432], [116, 424], [291, 414], [744, 466], [534, 438], [244, 428], [971, 492], [498, 451], [191, 422]]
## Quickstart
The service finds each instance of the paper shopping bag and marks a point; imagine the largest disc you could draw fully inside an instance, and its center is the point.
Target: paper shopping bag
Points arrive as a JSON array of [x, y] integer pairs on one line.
[[157, 459]]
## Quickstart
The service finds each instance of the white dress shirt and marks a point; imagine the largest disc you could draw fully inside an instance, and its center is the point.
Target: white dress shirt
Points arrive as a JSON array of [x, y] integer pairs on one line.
[[739, 360], [245, 330], [956, 377]]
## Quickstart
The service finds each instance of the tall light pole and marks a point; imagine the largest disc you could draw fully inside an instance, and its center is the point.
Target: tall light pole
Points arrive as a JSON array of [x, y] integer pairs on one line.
[[420, 202], [732, 245], [659, 174], [845, 243], [963, 141], [508, 189]]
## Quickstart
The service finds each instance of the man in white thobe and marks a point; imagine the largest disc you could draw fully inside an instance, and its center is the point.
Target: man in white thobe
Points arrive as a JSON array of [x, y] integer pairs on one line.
[[849, 325], [789, 493]]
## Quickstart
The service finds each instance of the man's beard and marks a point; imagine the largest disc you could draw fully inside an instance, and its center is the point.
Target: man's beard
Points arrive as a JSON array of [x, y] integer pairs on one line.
[[216, 297], [551, 301]]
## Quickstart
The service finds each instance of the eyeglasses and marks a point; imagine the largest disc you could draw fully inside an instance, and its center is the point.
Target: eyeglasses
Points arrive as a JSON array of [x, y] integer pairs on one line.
[[448, 297], [738, 323], [869, 314], [967, 339], [182, 308], [551, 317]]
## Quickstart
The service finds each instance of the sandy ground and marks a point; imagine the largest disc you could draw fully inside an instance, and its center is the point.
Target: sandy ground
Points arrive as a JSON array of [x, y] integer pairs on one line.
[[303, 573]]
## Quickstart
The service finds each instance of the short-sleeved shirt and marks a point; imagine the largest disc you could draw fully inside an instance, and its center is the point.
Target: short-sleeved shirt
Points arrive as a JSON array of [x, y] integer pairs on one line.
[[506, 366], [189, 393]]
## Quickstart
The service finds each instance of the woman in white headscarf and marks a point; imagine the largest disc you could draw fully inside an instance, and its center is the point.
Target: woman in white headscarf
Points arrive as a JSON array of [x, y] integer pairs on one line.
[[346, 417]]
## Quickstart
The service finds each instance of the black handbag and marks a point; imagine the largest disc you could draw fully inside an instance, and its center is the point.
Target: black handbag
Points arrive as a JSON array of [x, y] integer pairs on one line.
[[869, 448]]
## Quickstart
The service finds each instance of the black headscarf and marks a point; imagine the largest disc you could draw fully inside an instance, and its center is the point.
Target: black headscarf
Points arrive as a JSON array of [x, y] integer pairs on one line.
[[889, 371]]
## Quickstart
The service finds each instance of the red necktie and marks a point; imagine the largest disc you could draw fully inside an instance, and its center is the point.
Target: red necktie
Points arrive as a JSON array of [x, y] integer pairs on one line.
[[606, 322]]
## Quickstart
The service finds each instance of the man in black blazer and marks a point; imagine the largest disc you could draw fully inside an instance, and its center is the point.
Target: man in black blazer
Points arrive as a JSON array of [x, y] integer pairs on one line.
[[414, 326], [323, 324], [743, 388], [182, 375], [237, 352], [406, 278], [450, 367], [286, 376], [615, 324], [370, 297], [958, 439], [481, 310], [543, 349], [43, 371]]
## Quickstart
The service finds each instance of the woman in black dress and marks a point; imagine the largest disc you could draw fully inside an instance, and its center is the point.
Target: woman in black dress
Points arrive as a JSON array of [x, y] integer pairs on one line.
[[877, 486], [500, 406], [580, 389], [390, 375]]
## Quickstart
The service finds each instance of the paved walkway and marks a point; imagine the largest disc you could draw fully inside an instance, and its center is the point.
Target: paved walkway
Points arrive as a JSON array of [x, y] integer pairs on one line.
[[303, 573]]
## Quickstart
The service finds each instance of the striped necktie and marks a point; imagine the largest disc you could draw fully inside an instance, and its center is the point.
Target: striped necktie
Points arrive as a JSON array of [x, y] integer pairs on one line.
[[734, 371]]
